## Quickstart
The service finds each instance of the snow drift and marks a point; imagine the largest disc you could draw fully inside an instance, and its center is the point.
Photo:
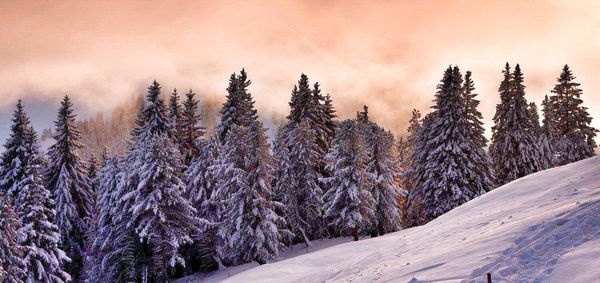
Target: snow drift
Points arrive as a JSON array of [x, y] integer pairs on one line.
[[544, 227]]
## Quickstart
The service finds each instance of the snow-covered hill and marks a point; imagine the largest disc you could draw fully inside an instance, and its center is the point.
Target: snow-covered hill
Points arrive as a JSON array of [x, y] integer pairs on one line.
[[544, 227]]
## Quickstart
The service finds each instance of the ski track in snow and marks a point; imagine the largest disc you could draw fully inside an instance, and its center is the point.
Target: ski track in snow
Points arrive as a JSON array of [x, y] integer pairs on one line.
[[541, 228]]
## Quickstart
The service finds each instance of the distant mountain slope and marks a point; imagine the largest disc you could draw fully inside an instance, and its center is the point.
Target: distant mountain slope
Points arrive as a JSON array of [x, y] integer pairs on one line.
[[544, 227]]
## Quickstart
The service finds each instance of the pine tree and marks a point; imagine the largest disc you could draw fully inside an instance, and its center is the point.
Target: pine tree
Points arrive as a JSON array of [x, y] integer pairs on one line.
[[175, 116], [92, 174], [12, 266], [162, 217], [408, 148], [67, 180], [383, 168], [363, 116], [298, 184], [548, 139], [112, 241], [44, 259], [238, 109], [535, 120], [329, 120], [415, 175], [348, 203], [201, 182], [450, 177], [483, 179], [251, 226], [191, 130], [572, 120], [15, 156], [91, 256], [513, 150], [498, 145]]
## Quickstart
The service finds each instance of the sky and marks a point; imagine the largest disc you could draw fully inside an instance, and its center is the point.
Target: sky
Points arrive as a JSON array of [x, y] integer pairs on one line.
[[389, 55]]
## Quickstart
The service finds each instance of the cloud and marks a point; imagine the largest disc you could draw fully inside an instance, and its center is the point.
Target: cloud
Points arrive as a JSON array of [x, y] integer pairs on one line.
[[389, 55]]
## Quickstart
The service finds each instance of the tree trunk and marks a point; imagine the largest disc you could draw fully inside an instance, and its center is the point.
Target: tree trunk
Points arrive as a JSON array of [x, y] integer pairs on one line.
[[355, 234]]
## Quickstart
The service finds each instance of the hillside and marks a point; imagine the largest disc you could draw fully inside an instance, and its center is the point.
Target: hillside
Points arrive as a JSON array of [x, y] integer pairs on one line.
[[544, 227]]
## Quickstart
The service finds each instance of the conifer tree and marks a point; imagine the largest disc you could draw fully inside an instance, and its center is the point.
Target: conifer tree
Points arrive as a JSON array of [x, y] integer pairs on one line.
[[548, 139], [415, 176], [66, 178], [201, 182], [251, 230], [499, 144], [108, 242], [329, 120], [298, 184], [348, 203], [450, 176], [12, 266], [483, 179], [406, 164], [572, 120], [535, 120], [363, 116], [162, 217], [514, 149], [14, 158], [238, 109], [92, 174], [41, 239], [190, 127], [385, 190], [175, 116]]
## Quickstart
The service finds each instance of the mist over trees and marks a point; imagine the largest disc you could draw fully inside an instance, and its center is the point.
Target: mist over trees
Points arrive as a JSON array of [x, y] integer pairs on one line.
[[164, 186]]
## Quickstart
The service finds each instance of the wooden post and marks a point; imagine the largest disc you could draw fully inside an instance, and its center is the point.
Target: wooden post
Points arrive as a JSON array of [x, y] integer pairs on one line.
[[489, 277]]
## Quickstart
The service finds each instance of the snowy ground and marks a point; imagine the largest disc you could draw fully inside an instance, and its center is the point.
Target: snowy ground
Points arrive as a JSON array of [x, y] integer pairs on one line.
[[296, 250], [541, 228]]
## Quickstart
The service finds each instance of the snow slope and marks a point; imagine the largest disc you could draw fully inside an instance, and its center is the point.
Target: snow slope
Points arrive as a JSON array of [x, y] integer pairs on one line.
[[544, 227]]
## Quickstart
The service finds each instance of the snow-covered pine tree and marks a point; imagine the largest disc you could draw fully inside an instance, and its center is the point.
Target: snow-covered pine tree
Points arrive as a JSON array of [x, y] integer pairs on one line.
[[329, 121], [535, 120], [415, 176], [483, 179], [383, 168], [104, 156], [190, 127], [231, 179], [92, 174], [298, 184], [110, 227], [323, 114], [162, 217], [12, 266], [514, 149], [348, 202], [15, 156], [66, 178], [175, 115], [548, 139], [498, 144], [572, 120], [406, 163], [117, 240], [41, 239], [91, 257], [201, 183], [450, 177], [251, 220], [238, 109]]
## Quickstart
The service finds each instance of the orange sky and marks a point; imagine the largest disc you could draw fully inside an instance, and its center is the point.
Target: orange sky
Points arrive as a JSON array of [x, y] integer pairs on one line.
[[387, 54]]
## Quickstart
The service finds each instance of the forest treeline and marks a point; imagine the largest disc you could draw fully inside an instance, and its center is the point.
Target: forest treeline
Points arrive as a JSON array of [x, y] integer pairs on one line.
[[169, 199]]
